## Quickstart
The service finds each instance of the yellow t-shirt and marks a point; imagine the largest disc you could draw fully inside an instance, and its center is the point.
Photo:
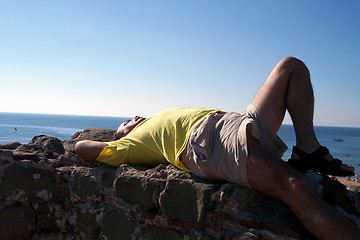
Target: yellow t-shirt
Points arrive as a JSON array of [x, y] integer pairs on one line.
[[158, 139]]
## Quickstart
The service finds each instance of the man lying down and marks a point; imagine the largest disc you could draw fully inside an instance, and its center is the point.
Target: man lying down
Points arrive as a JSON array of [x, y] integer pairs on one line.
[[241, 148]]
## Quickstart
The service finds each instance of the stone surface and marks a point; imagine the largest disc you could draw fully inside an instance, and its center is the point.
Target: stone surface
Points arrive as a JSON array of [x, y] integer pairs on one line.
[[47, 193]]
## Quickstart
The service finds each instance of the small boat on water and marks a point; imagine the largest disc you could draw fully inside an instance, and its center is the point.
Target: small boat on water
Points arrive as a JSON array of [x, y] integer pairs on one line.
[[338, 140]]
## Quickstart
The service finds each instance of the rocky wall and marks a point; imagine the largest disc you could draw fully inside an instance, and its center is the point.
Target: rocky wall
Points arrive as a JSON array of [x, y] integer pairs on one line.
[[47, 193]]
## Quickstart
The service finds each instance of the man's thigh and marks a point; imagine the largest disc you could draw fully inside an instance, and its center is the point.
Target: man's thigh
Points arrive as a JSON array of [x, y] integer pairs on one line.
[[270, 100], [267, 173]]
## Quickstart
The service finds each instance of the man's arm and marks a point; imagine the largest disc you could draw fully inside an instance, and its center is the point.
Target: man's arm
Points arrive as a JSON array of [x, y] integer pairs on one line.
[[88, 150]]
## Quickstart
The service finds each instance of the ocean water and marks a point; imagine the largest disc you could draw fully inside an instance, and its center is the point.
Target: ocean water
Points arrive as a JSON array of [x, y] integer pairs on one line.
[[21, 127], [347, 150]]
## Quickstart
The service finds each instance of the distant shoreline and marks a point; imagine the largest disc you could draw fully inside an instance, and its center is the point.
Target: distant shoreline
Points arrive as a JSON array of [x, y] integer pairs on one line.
[[349, 183], [127, 117]]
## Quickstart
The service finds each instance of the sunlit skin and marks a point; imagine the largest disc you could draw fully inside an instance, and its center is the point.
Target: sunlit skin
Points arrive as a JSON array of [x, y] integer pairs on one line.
[[128, 126]]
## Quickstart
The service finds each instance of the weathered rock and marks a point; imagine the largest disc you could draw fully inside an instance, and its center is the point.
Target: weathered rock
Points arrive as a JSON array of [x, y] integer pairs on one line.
[[46, 146], [26, 181], [10, 145], [155, 233], [96, 134], [195, 201], [47, 193], [48, 216], [17, 221], [6, 156], [112, 231], [139, 187]]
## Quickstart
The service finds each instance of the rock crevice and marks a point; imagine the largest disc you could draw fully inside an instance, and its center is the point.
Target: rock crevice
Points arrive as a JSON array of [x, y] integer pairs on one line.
[[47, 193]]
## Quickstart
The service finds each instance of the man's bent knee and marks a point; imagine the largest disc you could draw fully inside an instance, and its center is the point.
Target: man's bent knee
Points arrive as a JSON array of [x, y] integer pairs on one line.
[[297, 182], [294, 186], [292, 61], [293, 64]]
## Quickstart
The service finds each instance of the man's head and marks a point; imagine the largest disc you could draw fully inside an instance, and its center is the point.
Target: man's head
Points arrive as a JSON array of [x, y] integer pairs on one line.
[[127, 126]]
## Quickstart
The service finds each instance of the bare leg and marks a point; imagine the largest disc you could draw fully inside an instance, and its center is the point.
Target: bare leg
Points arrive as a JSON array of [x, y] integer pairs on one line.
[[89, 150], [288, 87], [280, 181]]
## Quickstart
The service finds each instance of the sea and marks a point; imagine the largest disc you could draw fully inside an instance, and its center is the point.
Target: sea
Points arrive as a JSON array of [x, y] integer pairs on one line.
[[343, 142]]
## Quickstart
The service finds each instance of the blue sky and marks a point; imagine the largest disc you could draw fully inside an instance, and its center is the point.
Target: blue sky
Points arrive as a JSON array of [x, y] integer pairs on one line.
[[122, 58]]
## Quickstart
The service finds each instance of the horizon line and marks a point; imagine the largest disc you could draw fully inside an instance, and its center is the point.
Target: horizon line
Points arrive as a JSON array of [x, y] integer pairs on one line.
[[107, 116]]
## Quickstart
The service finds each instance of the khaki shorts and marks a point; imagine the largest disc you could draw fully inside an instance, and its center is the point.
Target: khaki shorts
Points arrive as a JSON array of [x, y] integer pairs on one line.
[[217, 147]]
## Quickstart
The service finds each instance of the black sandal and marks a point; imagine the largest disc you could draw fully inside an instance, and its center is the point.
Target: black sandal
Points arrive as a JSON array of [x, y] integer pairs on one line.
[[316, 162]]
